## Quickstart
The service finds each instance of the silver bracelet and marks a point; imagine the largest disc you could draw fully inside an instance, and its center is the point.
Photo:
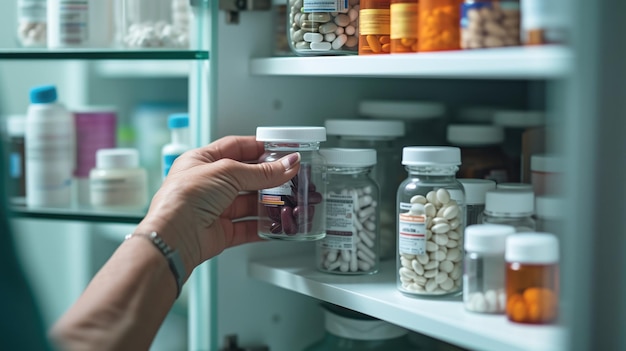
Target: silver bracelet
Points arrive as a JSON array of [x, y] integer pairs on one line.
[[173, 258]]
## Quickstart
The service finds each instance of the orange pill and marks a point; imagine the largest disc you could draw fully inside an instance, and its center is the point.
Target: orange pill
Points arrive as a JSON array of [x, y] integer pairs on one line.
[[385, 39], [386, 47], [407, 41], [372, 40], [535, 313], [520, 311]]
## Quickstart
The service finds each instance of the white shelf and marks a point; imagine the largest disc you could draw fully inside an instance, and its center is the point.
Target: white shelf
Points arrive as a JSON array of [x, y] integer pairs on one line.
[[547, 62], [143, 69], [377, 296]]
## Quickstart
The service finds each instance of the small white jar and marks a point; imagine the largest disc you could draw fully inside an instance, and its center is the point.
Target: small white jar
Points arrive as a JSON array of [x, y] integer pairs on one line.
[[118, 182], [510, 207]]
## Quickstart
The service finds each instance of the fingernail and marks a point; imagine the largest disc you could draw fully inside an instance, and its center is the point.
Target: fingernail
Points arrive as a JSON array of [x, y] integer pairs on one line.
[[290, 160]]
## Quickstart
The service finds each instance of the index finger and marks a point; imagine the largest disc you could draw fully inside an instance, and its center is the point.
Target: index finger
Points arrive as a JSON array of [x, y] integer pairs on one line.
[[239, 148]]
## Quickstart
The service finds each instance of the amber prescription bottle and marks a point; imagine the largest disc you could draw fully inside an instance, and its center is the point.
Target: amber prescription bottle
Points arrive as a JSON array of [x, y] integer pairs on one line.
[[532, 284], [374, 27], [294, 210], [439, 25], [403, 26]]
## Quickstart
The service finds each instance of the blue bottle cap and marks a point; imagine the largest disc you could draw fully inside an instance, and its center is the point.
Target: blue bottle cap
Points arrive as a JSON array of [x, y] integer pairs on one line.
[[44, 94], [178, 120]]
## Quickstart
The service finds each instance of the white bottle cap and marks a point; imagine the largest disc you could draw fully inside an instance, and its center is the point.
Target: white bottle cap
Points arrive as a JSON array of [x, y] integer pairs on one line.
[[431, 155], [519, 119], [16, 125], [509, 203], [546, 163], [369, 129], [474, 134], [549, 207], [291, 134], [537, 248], [117, 158], [401, 109], [349, 157], [487, 238], [475, 190], [515, 186]]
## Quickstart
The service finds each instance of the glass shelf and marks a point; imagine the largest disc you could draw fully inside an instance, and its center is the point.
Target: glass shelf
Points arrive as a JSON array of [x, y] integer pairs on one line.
[[77, 214], [102, 54]]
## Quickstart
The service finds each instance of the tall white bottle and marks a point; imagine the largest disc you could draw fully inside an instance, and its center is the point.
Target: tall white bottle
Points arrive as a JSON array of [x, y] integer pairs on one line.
[[179, 127], [50, 145]]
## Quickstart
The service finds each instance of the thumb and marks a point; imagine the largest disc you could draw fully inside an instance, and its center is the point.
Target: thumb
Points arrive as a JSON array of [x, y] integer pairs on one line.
[[268, 174]]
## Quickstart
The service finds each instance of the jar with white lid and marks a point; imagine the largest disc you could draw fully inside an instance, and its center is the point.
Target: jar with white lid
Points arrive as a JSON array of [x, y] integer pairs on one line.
[[381, 135], [424, 120], [475, 191], [546, 174], [532, 278], [294, 210], [32, 23], [118, 182], [431, 216], [510, 207], [481, 151], [484, 273], [351, 245]]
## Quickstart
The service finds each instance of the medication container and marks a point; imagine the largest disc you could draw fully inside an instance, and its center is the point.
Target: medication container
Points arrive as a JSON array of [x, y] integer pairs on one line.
[[269, 293]]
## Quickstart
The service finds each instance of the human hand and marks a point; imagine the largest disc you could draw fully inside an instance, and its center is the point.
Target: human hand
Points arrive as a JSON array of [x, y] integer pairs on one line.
[[194, 209]]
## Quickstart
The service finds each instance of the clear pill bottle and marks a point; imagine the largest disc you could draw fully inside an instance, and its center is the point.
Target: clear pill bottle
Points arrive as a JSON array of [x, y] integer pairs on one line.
[[490, 23], [32, 23], [348, 330], [323, 27], [475, 191], [484, 273], [431, 216], [374, 27], [153, 24], [532, 283], [351, 245], [117, 182], [381, 135], [295, 210], [510, 207]]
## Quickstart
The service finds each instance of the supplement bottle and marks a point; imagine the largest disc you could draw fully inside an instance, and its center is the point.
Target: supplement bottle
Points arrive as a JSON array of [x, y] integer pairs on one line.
[[532, 284], [50, 150], [484, 273], [510, 207], [381, 135], [15, 129], [439, 25], [153, 24], [68, 23], [374, 27], [32, 23], [117, 182], [475, 191], [323, 27], [431, 215], [490, 23], [351, 245], [403, 17], [295, 210], [347, 330], [180, 141]]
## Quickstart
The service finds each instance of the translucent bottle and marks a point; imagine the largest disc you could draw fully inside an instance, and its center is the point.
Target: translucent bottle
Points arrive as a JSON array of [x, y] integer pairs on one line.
[[351, 245], [510, 207], [117, 182], [50, 150], [32, 23], [374, 27], [179, 142], [475, 191], [484, 271], [490, 23], [403, 19], [532, 284], [439, 25], [294, 210], [431, 213], [381, 135]]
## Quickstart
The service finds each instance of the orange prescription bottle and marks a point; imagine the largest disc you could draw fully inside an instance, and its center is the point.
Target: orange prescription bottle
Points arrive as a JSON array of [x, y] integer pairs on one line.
[[439, 25], [403, 26], [374, 27], [532, 284]]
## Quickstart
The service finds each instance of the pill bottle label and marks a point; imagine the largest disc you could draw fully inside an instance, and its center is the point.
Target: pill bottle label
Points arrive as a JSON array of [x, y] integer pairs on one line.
[[340, 217], [117, 191], [274, 196], [73, 17], [412, 232], [404, 24], [325, 5], [374, 21]]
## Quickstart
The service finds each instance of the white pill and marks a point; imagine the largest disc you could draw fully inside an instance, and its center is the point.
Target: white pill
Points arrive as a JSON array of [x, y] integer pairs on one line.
[[431, 246], [440, 228], [366, 239], [431, 265], [408, 273], [357, 224], [440, 212], [323, 46], [431, 285], [501, 300], [450, 212], [370, 225], [345, 266], [366, 250], [404, 279], [432, 198], [350, 30], [447, 284], [429, 234], [342, 20], [408, 256], [405, 263], [456, 273], [429, 222], [454, 235], [365, 257], [417, 209], [452, 243], [364, 266], [365, 200], [440, 239], [339, 41], [332, 255], [345, 255], [416, 288], [443, 196], [418, 199], [478, 303], [370, 234], [417, 267], [453, 254], [443, 248], [423, 259], [420, 280], [455, 223], [430, 210], [298, 35], [333, 266], [369, 210], [441, 277], [329, 37], [491, 300], [446, 266], [431, 273], [438, 220], [438, 255]]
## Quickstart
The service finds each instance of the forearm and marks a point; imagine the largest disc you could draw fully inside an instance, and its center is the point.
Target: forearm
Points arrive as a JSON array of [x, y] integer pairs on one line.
[[123, 306]]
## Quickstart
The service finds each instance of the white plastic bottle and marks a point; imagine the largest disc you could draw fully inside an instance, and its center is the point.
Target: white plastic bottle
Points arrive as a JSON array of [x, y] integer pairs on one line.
[[50, 157], [179, 126]]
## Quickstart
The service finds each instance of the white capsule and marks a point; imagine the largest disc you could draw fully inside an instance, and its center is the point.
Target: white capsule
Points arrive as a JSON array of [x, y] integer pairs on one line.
[[323, 46], [327, 28], [450, 212], [366, 250], [418, 199], [404, 279], [491, 300], [407, 273], [431, 265], [364, 266], [333, 266], [357, 224], [417, 267], [345, 255], [441, 277], [456, 273], [367, 212], [432, 198], [332, 255], [430, 210], [438, 220], [420, 280], [339, 42], [345, 266], [431, 246], [367, 190], [370, 225], [443, 196], [438, 255], [408, 256], [330, 37], [417, 209], [451, 244], [366, 239], [440, 228], [365, 200], [455, 223], [478, 303], [364, 257], [454, 235], [405, 263], [429, 234], [446, 266]]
